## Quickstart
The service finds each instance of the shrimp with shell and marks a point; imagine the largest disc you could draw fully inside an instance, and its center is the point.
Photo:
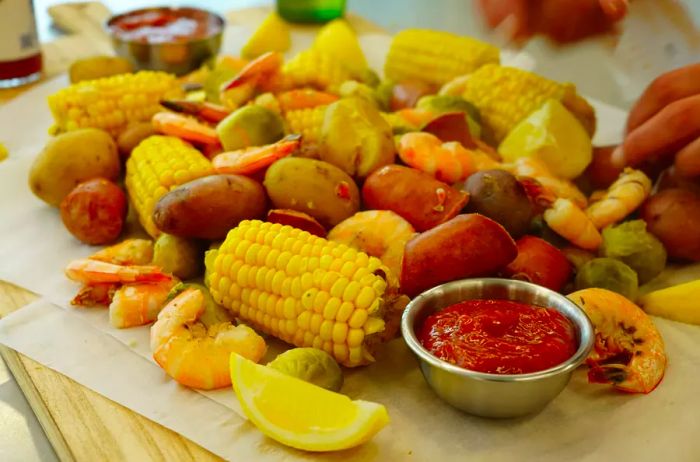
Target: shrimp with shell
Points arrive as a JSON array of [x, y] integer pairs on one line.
[[629, 351], [627, 193], [570, 222]]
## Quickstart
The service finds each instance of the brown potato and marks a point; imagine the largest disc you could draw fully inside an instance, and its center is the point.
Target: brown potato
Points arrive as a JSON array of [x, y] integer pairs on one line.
[[314, 187], [419, 198], [94, 211], [466, 246], [673, 215], [208, 207], [132, 136]]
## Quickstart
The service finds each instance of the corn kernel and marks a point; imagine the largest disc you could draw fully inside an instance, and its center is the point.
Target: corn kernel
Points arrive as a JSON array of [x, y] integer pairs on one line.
[[344, 312]]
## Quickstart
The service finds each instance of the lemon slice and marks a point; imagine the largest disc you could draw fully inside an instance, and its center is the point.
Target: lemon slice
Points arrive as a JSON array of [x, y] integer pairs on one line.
[[300, 414], [271, 35], [552, 135], [338, 39]]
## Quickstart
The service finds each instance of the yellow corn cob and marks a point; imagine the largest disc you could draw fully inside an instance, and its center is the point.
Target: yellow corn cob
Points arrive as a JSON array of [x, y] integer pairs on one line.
[[312, 68], [435, 57], [303, 289], [506, 95], [111, 103], [157, 165], [306, 122]]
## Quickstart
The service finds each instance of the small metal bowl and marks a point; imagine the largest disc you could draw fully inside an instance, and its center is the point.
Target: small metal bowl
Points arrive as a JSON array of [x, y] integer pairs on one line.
[[494, 395], [177, 57]]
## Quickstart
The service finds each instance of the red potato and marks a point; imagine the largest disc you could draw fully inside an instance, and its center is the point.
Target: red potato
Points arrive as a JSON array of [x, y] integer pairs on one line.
[[468, 245], [406, 94], [539, 262], [451, 126], [94, 211], [296, 219], [673, 216], [419, 198]]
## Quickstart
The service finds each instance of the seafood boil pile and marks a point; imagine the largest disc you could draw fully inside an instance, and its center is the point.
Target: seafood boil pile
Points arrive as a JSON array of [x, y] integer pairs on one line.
[[310, 199]]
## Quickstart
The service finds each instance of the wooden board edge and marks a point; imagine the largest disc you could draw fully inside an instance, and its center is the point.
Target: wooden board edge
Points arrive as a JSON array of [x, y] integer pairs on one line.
[[36, 402]]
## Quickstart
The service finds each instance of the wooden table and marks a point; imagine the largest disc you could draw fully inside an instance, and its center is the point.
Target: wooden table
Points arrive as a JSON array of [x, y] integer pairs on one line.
[[81, 424]]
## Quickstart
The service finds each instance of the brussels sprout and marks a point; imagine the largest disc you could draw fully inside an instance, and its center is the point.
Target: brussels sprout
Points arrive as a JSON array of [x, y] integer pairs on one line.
[[353, 88], [630, 243], [608, 273], [312, 365], [179, 256], [383, 92], [370, 78]]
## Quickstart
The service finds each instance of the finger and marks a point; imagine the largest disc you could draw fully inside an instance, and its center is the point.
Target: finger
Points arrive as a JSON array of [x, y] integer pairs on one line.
[[688, 160], [509, 16], [667, 131], [664, 90], [614, 9], [566, 21]]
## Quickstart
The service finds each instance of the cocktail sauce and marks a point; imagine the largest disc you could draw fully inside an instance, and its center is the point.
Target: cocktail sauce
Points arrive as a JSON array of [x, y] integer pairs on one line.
[[499, 336]]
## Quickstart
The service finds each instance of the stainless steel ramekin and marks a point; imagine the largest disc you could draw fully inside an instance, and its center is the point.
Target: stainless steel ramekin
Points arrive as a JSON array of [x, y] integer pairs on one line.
[[494, 395]]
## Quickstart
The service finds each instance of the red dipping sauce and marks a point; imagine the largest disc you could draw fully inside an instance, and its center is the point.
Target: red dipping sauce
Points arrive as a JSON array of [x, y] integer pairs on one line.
[[499, 336], [165, 25]]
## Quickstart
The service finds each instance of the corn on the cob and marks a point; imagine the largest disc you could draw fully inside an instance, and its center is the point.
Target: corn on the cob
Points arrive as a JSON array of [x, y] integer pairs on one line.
[[306, 122], [157, 165], [312, 68], [435, 57], [301, 288], [506, 95], [111, 103]]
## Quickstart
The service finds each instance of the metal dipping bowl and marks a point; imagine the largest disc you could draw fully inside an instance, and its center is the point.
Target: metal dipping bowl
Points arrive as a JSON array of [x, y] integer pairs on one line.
[[176, 57], [494, 395]]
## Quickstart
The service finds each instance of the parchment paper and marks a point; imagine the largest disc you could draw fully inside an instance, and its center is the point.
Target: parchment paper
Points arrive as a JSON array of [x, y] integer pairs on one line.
[[585, 422]]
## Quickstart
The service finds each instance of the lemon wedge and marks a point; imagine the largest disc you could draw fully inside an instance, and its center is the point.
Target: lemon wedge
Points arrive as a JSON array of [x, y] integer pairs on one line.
[[552, 135], [302, 415], [271, 35], [338, 39]]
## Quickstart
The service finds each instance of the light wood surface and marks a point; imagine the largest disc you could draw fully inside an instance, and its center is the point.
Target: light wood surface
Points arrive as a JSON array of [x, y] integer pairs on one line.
[[81, 424]]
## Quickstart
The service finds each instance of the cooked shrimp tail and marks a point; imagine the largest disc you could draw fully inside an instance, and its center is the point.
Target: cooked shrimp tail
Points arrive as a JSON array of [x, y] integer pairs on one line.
[[94, 271]]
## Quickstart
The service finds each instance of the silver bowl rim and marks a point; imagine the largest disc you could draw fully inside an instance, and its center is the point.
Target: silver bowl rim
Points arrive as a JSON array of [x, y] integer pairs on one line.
[[585, 331], [220, 19]]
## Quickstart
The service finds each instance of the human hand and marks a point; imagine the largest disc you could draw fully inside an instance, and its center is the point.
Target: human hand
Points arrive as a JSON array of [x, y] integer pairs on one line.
[[665, 121], [561, 20]]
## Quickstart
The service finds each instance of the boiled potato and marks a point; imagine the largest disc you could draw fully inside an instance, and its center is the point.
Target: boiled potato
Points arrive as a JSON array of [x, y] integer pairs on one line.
[[250, 126], [132, 136], [356, 138], [178, 256], [209, 207], [94, 211], [498, 195], [673, 216], [98, 67], [317, 188], [71, 158]]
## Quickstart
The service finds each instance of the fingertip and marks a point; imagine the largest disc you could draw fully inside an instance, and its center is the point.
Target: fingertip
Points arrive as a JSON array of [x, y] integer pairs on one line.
[[617, 158]]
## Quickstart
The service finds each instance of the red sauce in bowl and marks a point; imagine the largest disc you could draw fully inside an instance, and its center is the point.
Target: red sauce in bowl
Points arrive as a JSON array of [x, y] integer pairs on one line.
[[165, 25], [499, 336]]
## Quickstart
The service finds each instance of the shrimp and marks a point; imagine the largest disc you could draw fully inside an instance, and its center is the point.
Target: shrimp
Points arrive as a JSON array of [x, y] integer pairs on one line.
[[169, 123], [629, 351], [533, 168], [627, 193], [304, 98], [128, 252], [194, 354], [250, 160], [263, 74], [569, 221], [138, 304], [99, 294], [379, 233], [208, 112], [448, 162], [98, 272]]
